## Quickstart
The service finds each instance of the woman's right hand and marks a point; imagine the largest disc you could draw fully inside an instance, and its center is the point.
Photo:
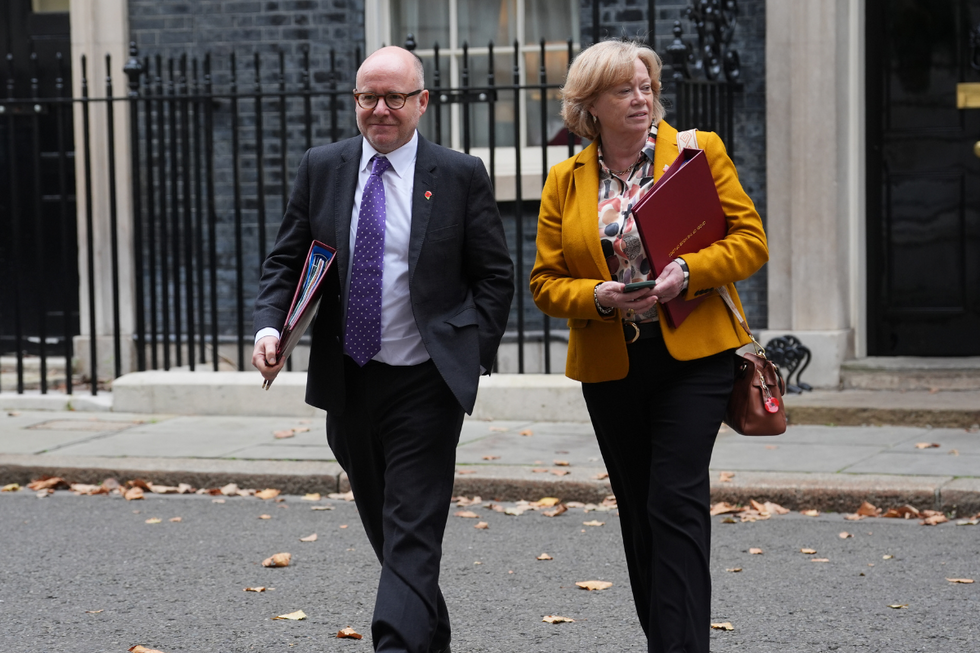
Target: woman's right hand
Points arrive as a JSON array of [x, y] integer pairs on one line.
[[612, 294]]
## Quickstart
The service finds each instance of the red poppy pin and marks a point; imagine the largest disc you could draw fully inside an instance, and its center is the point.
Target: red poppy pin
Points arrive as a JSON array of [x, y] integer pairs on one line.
[[428, 194]]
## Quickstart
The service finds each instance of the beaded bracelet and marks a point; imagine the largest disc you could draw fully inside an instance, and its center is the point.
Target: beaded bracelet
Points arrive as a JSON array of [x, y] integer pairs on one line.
[[599, 307]]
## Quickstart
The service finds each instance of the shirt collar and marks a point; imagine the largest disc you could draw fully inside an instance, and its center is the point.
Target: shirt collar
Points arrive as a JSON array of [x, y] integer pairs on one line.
[[402, 160]]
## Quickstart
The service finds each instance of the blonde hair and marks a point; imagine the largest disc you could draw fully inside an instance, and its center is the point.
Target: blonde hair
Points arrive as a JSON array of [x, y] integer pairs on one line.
[[596, 70]]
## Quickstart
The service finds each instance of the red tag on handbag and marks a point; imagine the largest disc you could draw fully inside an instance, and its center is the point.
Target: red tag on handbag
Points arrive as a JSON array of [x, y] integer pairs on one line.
[[772, 405]]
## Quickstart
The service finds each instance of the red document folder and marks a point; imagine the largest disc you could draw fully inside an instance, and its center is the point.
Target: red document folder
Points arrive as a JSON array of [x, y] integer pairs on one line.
[[681, 214], [306, 299]]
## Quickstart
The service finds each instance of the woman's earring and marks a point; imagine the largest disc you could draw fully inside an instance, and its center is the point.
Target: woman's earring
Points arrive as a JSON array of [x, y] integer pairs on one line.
[[594, 119]]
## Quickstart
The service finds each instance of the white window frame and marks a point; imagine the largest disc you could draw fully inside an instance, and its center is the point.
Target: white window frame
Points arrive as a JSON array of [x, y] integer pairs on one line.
[[377, 33]]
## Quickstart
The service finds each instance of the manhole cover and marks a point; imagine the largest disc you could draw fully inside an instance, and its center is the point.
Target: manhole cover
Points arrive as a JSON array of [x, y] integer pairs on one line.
[[82, 425]]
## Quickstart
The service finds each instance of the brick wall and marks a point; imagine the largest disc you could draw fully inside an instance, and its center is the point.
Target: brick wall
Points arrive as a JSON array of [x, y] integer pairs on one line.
[[172, 28]]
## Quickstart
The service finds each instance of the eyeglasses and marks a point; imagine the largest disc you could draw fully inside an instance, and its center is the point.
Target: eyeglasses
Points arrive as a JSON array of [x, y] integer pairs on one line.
[[393, 101]]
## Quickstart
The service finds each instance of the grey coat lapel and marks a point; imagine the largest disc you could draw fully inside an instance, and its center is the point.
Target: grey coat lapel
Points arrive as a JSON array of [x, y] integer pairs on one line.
[[425, 167], [342, 194]]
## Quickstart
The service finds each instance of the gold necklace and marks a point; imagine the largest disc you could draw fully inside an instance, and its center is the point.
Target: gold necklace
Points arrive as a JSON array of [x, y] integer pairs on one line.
[[620, 173]]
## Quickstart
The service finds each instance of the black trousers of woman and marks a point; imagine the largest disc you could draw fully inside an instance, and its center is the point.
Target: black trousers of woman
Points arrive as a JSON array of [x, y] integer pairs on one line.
[[656, 429]]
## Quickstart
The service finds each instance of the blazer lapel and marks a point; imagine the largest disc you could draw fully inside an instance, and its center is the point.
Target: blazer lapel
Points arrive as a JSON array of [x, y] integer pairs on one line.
[[421, 208], [586, 178], [342, 194]]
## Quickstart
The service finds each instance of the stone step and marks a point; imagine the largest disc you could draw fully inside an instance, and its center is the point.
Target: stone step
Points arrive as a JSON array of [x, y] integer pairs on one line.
[[907, 373]]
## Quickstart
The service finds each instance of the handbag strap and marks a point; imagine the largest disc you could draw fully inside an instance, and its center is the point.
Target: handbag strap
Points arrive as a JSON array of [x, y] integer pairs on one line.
[[723, 291]]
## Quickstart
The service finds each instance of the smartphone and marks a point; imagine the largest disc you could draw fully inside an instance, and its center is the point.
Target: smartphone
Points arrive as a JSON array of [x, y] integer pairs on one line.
[[639, 285]]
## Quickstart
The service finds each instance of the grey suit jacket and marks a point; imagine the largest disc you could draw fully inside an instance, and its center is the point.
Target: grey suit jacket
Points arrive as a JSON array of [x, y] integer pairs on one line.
[[461, 276]]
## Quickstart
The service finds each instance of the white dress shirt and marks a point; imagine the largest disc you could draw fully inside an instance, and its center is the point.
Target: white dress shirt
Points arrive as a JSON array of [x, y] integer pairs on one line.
[[401, 342]]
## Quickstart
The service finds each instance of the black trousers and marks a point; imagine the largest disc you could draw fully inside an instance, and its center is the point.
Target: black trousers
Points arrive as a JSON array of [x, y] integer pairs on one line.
[[656, 429], [397, 442]]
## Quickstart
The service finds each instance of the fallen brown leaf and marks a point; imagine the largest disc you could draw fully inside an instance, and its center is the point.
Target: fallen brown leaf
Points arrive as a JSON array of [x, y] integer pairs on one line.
[[594, 585], [229, 490], [527, 433], [560, 472], [932, 518], [283, 434], [734, 570], [844, 535], [268, 493], [143, 649], [265, 516], [902, 512], [349, 633], [561, 463], [466, 514], [964, 581], [308, 538], [810, 513], [887, 556], [726, 477], [594, 522], [10, 487], [254, 589], [953, 452], [133, 494], [278, 560], [81, 489], [94, 611], [314, 496], [346, 496], [491, 457], [299, 615], [555, 619], [968, 522], [217, 500], [559, 509], [724, 625], [321, 507], [153, 520], [819, 559], [601, 476], [544, 556], [482, 525], [465, 471], [546, 502], [539, 470], [898, 606], [808, 551], [723, 508], [868, 510], [926, 445], [755, 551], [48, 483]]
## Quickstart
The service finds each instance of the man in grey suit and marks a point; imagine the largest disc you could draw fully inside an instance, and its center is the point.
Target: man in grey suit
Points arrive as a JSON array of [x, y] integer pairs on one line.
[[412, 313]]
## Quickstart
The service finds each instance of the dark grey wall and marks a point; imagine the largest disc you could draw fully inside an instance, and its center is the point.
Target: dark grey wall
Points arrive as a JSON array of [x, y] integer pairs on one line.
[[172, 28]]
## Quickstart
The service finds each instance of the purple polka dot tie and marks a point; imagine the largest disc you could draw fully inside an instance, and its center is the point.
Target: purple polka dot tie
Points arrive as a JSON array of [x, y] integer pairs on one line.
[[362, 334]]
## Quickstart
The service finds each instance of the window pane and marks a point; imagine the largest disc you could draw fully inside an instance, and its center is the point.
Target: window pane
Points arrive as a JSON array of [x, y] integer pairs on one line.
[[428, 20], [503, 107], [556, 63], [488, 20], [555, 21]]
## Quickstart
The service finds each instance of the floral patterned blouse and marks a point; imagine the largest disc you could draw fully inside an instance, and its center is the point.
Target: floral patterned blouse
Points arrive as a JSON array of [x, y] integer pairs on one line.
[[617, 231]]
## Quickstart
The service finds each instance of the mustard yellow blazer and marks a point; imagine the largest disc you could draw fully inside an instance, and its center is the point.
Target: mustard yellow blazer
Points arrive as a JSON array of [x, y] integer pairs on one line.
[[569, 263]]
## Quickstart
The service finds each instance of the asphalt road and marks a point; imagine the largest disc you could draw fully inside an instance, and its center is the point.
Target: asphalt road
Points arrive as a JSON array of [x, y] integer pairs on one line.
[[87, 574]]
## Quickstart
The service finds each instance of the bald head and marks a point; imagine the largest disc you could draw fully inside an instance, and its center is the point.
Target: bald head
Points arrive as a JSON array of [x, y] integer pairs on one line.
[[391, 70]]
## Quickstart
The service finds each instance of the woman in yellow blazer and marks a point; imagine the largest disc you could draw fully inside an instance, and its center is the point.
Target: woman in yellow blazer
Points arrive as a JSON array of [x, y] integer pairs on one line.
[[656, 394]]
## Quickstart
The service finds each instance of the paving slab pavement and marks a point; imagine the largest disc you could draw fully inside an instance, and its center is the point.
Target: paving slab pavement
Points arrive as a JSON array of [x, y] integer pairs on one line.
[[811, 466]]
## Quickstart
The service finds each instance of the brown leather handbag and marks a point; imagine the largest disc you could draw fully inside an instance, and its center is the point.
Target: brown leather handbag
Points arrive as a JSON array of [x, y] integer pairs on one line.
[[756, 405]]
